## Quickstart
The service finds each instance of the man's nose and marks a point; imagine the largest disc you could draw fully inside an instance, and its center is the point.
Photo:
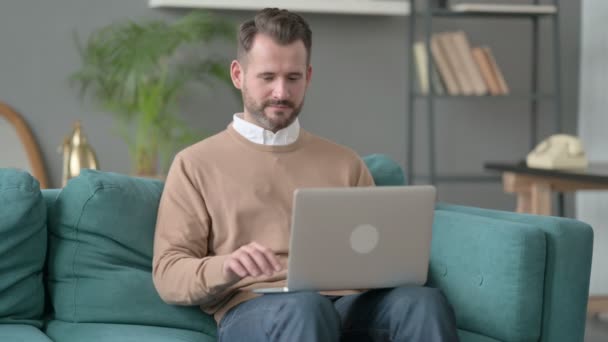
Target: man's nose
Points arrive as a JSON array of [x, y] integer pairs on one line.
[[281, 91]]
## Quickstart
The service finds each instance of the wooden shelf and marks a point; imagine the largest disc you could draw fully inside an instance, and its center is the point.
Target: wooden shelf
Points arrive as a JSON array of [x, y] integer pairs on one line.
[[354, 7], [514, 97], [460, 178], [501, 9]]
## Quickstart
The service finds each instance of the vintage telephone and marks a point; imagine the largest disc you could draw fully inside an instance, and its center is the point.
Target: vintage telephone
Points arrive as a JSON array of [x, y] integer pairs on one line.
[[560, 151]]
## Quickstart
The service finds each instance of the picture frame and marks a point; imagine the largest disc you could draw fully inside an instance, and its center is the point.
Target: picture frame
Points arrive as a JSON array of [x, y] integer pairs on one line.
[[17, 139]]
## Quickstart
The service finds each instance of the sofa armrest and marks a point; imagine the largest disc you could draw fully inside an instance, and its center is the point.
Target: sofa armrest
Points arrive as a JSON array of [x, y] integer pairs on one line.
[[492, 273], [569, 246]]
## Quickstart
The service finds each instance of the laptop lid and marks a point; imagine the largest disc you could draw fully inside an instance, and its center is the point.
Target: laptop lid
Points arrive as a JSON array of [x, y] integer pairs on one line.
[[361, 237]]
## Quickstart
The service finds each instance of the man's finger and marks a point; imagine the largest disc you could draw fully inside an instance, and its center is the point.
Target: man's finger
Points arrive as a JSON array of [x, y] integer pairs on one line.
[[235, 266], [261, 260], [247, 261], [269, 255]]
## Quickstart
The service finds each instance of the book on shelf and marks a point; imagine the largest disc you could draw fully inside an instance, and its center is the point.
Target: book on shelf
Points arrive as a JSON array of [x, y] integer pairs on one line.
[[437, 83], [470, 67], [503, 8], [424, 82], [446, 73], [487, 71], [421, 67], [504, 89], [458, 68], [455, 63]]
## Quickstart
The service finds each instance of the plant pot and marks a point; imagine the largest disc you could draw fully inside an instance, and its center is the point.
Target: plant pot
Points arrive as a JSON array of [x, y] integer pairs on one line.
[[146, 161]]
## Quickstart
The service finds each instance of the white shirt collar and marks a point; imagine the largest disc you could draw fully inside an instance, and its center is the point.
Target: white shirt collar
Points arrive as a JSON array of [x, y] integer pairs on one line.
[[259, 135]]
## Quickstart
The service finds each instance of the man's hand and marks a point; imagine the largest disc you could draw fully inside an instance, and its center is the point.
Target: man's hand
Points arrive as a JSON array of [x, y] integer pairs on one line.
[[250, 260]]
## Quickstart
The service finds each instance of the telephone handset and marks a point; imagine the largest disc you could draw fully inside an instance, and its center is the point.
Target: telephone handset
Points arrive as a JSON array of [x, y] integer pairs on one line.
[[560, 151]]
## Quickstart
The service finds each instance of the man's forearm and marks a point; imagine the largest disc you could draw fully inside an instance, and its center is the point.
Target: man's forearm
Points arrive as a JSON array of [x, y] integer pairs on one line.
[[186, 280]]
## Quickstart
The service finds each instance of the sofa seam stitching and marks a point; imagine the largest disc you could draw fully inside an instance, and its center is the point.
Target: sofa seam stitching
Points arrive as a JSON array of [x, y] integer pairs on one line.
[[77, 279]]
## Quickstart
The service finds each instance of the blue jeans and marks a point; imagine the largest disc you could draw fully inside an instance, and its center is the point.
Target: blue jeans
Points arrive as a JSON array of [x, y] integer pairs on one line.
[[408, 313]]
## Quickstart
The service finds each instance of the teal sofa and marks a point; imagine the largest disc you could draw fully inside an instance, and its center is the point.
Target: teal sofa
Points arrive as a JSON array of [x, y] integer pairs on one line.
[[75, 265]]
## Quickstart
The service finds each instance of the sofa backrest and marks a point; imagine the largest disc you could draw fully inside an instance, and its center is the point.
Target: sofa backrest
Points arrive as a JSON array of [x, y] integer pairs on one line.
[[384, 170], [101, 229], [23, 235], [100, 254], [100, 250]]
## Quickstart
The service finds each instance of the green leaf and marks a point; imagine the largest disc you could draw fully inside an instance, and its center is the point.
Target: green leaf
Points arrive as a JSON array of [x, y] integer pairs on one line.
[[129, 69]]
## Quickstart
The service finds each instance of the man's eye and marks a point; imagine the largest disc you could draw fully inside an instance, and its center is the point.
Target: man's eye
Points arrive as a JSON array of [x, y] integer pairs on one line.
[[267, 78]]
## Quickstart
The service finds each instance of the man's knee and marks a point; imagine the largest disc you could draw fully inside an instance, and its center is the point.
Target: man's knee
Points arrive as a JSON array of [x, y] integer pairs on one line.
[[433, 299], [425, 299], [309, 304], [306, 314], [425, 315]]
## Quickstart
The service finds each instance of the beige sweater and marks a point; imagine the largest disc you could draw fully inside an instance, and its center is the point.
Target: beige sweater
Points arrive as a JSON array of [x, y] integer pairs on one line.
[[225, 192]]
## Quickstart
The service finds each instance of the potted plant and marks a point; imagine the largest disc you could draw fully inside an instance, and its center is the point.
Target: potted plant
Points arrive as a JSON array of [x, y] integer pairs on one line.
[[130, 69]]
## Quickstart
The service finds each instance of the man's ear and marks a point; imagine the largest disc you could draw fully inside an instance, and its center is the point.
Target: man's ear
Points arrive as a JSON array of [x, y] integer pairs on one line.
[[236, 74], [308, 74]]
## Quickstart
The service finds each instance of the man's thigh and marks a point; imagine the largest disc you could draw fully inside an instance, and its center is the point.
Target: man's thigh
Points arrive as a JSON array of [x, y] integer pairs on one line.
[[379, 314], [248, 317], [261, 318]]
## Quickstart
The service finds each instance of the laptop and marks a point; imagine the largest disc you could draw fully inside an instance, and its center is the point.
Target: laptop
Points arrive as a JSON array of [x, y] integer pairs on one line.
[[359, 238]]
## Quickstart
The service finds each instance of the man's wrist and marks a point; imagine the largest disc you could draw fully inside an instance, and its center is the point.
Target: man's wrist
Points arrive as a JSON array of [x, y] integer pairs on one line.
[[215, 276]]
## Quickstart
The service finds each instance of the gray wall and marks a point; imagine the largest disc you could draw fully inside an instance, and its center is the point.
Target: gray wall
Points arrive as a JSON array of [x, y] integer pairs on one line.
[[357, 97], [591, 205]]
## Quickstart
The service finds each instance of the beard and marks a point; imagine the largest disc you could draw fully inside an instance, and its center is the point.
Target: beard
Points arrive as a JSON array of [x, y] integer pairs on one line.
[[276, 121]]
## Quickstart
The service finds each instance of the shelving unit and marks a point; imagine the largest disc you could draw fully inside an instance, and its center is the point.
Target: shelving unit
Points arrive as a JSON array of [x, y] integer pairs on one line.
[[428, 15], [353, 7]]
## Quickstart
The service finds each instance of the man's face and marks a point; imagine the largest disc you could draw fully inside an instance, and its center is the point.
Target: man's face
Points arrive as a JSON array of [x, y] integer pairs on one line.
[[273, 80]]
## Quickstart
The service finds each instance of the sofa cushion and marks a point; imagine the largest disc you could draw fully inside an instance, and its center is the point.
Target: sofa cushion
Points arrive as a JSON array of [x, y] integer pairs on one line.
[[101, 332], [492, 272], [467, 336], [21, 333], [384, 170], [100, 255], [23, 244]]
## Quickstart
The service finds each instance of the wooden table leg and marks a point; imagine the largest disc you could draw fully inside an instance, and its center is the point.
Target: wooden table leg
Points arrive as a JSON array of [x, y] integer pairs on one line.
[[520, 185], [540, 197], [524, 202], [597, 305]]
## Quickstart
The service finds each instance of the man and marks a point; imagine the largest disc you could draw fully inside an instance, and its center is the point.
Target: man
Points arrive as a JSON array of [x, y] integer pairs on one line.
[[224, 217]]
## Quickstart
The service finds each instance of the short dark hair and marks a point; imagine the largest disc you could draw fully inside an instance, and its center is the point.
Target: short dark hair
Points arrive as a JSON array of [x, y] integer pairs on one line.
[[282, 26]]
